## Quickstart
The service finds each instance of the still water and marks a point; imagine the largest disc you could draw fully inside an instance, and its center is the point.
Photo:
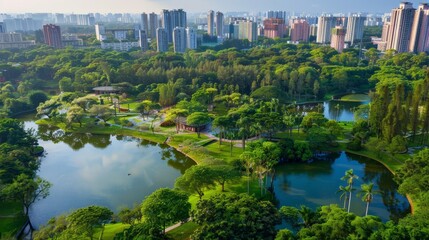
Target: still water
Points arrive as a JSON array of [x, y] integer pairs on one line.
[[340, 110], [110, 171], [316, 184]]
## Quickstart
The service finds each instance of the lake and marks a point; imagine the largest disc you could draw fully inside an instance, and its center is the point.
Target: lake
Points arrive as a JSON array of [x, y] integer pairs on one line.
[[118, 171], [315, 184], [110, 171]]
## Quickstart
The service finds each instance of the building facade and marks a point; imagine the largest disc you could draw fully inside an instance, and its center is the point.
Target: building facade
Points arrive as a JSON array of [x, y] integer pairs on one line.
[[161, 40], [338, 38], [399, 31], [300, 30], [191, 38], [52, 35], [210, 23], [179, 39], [324, 27], [219, 24], [419, 39], [355, 26], [153, 25], [274, 27]]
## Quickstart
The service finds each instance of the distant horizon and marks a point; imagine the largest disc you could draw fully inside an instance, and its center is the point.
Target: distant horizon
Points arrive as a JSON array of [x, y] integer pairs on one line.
[[197, 6]]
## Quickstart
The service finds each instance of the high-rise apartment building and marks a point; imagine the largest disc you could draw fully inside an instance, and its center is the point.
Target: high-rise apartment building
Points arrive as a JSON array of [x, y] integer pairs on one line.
[[337, 38], [179, 39], [248, 30], [2, 27], [278, 14], [313, 30], [191, 38], [161, 40], [100, 32], [355, 26], [153, 25], [219, 24], [401, 21], [144, 21], [419, 40], [52, 35], [300, 30], [210, 23], [274, 27], [172, 19], [324, 28], [143, 40]]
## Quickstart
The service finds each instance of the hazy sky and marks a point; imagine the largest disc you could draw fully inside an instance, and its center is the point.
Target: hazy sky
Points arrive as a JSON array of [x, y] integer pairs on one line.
[[136, 6]]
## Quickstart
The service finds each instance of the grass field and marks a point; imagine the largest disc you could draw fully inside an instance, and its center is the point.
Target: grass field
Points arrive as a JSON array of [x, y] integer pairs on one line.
[[355, 98], [11, 218]]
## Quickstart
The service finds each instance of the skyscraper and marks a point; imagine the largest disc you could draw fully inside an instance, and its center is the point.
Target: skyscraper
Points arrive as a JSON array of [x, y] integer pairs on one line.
[[355, 26], [161, 40], [2, 27], [219, 24], [337, 38], [100, 32], [274, 27], [144, 22], [191, 38], [324, 27], [419, 40], [153, 25], [52, 35], [179, 39], [248, 30], [398, 37], [300, 30], [277, 14], [210, 23], [172, 19], [143, 40]]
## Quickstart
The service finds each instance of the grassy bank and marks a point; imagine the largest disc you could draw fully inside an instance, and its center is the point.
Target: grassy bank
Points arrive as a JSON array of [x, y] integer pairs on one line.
[[11, 218]]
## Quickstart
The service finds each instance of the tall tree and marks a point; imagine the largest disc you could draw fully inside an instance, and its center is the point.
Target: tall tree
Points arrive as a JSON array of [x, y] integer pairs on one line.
[[195, 180], [367, 193], [349, 177], [27, 190], [165, 206]]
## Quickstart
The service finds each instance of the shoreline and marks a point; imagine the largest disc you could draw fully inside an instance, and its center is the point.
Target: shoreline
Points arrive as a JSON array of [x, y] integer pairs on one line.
[[167, 141], [410, 200]]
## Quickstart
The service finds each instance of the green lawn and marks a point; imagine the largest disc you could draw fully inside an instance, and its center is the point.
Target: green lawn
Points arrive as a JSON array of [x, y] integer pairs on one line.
[[355, 98], [183, 232], [10, 226], [110, 230]]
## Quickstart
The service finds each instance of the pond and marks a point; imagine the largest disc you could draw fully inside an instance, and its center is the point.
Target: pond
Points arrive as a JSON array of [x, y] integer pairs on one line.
[[340, 110], [110, 171], [315, 184]]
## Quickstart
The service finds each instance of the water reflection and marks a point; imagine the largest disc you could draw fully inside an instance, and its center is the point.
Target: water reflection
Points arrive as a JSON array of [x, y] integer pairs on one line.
[[111, 171], [315, 184]]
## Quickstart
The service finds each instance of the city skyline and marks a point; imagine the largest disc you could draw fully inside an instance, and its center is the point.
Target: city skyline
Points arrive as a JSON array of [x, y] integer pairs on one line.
[[136, 6]]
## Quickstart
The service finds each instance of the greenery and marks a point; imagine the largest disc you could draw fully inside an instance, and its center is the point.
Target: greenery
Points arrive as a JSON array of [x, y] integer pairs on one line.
[[253, 97]]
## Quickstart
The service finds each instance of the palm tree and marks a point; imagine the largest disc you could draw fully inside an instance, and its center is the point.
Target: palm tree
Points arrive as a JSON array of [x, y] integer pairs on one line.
[[248, 158], [367, 194], [349, 176], [344, 194]]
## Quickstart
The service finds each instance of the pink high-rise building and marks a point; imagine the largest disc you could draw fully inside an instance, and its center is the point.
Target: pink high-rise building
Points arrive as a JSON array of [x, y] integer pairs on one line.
[[401, 21], [274, 27], [338, 35], [300, 30]]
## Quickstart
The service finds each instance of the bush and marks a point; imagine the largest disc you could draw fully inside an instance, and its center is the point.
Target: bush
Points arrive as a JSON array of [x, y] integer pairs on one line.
[[168, 123], [354, 145]]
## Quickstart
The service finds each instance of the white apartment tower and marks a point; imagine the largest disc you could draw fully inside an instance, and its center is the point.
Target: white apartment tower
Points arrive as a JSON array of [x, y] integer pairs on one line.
[[179, 39], [161, 40], [398, 37], [419, 40], [191, 38], [324, 27], [355, 26]]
